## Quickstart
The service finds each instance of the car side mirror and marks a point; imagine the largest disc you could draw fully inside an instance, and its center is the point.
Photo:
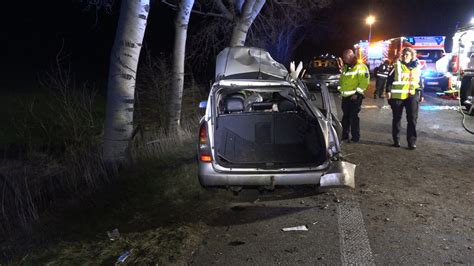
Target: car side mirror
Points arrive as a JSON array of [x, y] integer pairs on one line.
[[202, 104]]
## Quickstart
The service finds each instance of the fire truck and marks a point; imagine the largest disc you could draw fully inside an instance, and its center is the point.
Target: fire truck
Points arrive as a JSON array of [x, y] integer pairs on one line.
[[372, 54]]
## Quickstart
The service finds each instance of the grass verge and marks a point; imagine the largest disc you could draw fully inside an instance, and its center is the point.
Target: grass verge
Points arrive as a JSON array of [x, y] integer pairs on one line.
[[157, 205]]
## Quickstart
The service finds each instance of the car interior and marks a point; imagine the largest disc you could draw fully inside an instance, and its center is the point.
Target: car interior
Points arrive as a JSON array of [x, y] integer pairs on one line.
[[266, 129]]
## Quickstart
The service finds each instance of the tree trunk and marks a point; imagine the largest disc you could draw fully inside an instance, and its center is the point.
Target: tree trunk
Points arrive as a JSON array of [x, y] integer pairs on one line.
[[250, 10], [181, 28], [122, 76]]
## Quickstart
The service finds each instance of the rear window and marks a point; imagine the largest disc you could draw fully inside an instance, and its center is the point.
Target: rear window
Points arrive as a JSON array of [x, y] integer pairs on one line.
[[323, 66], [256, 100]]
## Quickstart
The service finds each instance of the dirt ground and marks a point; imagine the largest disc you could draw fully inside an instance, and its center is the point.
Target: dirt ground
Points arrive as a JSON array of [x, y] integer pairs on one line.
[[415, 206]]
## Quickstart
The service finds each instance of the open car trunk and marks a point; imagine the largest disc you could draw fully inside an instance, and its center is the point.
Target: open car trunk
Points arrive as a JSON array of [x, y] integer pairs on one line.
[[269, 140]]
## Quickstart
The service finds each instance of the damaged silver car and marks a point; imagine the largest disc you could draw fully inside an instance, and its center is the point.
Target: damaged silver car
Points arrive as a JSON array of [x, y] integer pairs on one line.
[[263, 128]]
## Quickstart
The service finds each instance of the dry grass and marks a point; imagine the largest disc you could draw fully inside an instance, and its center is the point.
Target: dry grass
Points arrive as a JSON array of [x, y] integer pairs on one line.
[[60, 157], [58, 200]]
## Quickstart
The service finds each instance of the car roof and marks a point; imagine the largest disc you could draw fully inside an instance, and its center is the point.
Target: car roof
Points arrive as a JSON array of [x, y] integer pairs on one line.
[[248, 63], [261, 84]]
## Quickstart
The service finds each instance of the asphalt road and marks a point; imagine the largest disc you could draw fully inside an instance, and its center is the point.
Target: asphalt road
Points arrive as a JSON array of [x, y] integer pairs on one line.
[[409, 207]]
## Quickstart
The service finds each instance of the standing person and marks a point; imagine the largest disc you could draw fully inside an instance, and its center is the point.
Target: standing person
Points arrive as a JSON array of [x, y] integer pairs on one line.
[[382, 74], [404, 90], [353, 83]]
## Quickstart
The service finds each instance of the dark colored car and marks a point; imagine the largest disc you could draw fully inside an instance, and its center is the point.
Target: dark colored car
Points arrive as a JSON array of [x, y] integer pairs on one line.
[[323, 69]]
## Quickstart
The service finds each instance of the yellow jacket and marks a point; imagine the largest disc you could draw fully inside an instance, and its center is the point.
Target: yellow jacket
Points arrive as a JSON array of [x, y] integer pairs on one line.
[[354, 80]]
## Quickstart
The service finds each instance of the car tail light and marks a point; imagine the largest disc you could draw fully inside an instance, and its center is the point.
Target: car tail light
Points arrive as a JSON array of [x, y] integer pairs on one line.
[[455, 63], [204, 148]]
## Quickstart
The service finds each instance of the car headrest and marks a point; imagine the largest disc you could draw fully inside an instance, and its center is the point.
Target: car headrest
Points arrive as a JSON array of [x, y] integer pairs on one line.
[[285, 105], [233, 105]]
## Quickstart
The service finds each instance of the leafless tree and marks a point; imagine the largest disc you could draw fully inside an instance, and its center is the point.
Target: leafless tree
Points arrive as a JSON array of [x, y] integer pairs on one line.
[[181, 29], [280, 27], [284, 24], [122, 76]]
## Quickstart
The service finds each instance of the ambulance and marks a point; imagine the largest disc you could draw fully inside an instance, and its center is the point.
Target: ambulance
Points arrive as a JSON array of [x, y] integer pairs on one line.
[[429, 49], [462, 65]]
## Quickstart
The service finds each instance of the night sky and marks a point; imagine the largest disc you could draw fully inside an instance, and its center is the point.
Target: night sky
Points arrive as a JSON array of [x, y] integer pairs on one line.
[[33, 32]]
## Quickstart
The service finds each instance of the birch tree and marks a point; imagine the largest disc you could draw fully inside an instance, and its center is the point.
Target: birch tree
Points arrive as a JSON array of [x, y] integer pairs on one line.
[[279, 27], [248, 12], [283, 24], [176, 95], [122, 76]]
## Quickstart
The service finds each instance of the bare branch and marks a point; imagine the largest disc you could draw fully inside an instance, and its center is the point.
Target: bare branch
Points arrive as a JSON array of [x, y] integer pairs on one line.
[[210, 14], [224, 10]]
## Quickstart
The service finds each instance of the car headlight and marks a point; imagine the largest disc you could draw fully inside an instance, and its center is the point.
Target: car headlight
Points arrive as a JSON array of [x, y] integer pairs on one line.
[[334, 77]]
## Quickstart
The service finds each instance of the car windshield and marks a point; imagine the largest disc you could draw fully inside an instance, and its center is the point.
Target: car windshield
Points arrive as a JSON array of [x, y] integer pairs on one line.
[[323, 66], [432, 55]]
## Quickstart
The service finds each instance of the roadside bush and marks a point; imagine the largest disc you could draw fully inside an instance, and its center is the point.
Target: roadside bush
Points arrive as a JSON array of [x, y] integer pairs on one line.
[[62, 156], [63, 164], [152, 94]]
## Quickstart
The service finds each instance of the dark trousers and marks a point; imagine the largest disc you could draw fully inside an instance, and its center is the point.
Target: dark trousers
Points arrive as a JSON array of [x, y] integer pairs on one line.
[[379, 85], [411, 104], [350, 117]]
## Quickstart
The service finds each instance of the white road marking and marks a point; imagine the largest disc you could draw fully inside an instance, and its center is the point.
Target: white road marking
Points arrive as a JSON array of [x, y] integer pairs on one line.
[[354, 242]]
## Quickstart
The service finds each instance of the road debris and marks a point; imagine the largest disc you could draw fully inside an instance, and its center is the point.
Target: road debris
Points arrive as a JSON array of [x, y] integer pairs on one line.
[[123, 257], [237, 208], [295, 228], [236, 243], [114, 234]]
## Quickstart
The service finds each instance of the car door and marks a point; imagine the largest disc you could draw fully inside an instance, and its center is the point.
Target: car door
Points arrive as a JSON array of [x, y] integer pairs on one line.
[[325, 101]]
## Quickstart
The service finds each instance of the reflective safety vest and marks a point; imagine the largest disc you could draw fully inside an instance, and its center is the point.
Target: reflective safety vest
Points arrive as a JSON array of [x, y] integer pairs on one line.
[[353, 79], [406, 81]]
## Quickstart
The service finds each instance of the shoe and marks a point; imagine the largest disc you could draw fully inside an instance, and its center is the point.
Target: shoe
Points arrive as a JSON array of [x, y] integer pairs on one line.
[[396, 144], [375, 96], [412, 147], [381, 97], [355, 140], [345, 140]]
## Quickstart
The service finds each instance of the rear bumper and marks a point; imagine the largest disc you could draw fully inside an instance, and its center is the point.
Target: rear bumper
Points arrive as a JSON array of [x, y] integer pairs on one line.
[[340, 174]]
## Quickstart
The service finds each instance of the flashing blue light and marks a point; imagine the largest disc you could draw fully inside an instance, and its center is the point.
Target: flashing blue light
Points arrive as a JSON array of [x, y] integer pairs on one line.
[[427, 73], [437, 107], [439, 39]]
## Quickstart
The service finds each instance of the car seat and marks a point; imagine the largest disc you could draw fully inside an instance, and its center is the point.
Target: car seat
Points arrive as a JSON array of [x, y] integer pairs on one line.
[[234, 104]]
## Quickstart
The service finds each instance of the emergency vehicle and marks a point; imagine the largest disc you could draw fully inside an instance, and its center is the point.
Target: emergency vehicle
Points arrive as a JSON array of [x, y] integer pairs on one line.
[[462, 65], [429, 50], [372, 54]]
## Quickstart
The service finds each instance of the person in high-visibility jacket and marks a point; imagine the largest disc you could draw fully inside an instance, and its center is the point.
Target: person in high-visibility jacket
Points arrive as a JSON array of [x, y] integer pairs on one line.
[[353, 82], [404, 90]]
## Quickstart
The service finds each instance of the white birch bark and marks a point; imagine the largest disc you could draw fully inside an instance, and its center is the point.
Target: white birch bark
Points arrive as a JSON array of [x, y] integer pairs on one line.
[[250, 10], [181, 28], [122, 76]]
